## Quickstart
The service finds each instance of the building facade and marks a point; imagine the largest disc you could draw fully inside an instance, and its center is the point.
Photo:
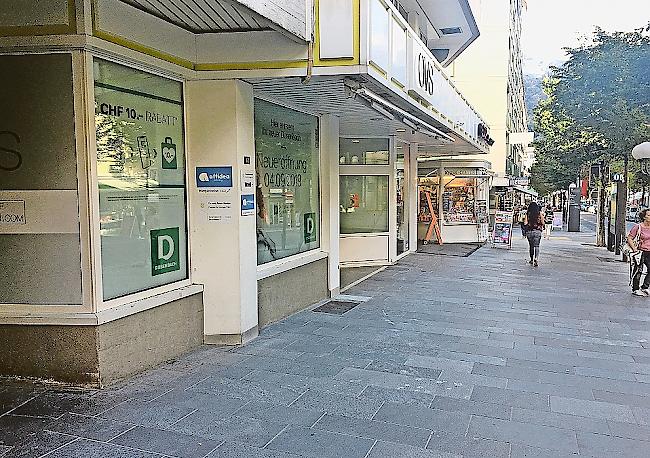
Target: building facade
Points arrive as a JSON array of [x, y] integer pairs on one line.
[[177, 174], [490, 75]]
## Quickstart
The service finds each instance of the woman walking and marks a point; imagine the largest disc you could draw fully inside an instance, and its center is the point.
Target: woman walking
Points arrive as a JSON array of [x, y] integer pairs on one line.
[[639, 240], [534, 227]]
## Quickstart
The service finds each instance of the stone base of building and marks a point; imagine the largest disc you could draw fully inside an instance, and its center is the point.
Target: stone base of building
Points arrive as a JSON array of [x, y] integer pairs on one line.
[[288, 292], [232, 339], [100, 355]]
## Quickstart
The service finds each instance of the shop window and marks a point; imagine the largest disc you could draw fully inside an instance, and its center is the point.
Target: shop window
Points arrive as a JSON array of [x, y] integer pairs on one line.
[[141, 177], [363, 151], [459, 201], [363, 203], [288, 198]]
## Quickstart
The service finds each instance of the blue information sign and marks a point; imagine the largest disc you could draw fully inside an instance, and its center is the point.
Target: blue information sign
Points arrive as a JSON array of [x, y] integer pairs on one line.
[[214, 177], [247, 204]]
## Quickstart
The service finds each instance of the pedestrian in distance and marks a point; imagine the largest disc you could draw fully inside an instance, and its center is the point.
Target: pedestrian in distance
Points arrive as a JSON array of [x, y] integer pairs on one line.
[[548, 222], [521, 217], [534, 225], [639, 241]]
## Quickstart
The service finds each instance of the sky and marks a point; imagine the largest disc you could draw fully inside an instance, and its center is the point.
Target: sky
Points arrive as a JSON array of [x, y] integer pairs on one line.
[[550, 25]]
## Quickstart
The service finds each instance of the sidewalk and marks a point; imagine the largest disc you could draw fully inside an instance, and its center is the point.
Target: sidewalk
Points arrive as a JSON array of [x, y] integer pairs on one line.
[[450, 356]]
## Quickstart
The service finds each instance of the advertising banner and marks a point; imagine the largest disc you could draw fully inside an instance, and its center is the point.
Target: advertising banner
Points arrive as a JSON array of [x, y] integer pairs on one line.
[[502, 232]]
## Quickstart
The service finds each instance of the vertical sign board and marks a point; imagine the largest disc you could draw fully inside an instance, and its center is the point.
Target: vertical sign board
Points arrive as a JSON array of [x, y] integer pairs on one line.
[[557, 220], [247, 204], [502, 232]]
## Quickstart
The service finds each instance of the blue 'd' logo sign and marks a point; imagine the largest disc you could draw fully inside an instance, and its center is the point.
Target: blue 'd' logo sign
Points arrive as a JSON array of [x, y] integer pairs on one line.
[[214, 177]]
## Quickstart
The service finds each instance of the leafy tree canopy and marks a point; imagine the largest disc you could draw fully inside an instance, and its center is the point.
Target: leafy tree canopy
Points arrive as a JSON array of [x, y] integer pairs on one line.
[[597, 107]]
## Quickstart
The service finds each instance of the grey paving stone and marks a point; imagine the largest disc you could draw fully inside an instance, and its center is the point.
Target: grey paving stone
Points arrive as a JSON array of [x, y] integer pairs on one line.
[[250, 431], [540, 436], [88, 427], [405, 382], [622, 398], [376, 430], [398, 396], [247, 390], [618, 445], [440, 363], [50, 404], [422, 417], [14, 429], [392, 450], [465, 379], [147, 414], [166, 442], [510, 398], [485, 409], [279, 413], [610, 356], [85, 448], [469, 447], [229, 449], [540, 365], [314, 442], [578, 392], [526, 451], [605, 373], [300, 384], [628, 430], [402, 369], [497, 361], [559, 420], [642, 415], [37, 444], [337, 403], [592, 409], [216, 403]]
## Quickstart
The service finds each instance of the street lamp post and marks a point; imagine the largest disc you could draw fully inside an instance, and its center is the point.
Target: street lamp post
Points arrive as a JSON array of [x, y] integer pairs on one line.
[[641, 153]]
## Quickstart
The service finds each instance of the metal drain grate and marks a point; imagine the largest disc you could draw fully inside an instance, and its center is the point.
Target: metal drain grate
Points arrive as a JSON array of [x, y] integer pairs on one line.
[[336, 307], [603, 259]]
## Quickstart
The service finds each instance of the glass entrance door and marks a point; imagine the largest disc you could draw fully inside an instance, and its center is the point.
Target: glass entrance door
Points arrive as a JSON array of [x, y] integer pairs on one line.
[[401, 186]]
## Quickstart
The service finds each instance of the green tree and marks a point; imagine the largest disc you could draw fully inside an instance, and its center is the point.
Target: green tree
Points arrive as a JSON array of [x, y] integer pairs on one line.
[[597, 109]]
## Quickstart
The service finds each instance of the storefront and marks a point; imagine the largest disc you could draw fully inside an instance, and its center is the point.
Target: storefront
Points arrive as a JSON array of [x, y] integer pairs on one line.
[[457, 191], [163, 194]]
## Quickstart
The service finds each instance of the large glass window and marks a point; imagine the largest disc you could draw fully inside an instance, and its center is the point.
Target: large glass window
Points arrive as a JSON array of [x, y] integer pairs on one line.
[[141, 175], [363, 203], [286, 151], [363, 151]]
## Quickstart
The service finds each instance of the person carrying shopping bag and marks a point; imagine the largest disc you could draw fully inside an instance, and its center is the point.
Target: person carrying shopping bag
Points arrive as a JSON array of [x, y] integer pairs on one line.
[[639, 241]]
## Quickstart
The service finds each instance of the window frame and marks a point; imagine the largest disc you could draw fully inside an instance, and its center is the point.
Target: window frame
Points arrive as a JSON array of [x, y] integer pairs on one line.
[[293, 261], [99, 301]]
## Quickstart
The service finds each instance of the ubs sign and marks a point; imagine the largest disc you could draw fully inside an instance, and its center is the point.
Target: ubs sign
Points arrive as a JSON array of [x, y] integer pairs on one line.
[[426, 72], [424, 77]]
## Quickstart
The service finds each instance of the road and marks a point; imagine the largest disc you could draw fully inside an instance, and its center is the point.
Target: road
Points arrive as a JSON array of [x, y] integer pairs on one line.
[[588, 222]]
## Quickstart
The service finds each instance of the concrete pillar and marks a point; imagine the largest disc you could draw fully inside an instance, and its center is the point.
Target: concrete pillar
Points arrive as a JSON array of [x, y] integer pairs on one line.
[[329, 144], [223, 242]]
